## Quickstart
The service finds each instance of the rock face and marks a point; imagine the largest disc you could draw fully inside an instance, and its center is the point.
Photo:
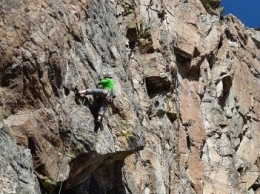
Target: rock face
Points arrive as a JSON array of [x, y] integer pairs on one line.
[[16, 170], [187, 112]]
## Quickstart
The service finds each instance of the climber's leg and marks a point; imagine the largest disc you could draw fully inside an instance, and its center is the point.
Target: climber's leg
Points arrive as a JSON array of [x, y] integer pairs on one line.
[[102, 107], [95, 92]]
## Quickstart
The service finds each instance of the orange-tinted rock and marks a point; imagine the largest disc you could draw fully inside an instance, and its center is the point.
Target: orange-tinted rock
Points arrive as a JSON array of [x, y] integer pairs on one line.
[[187, 112]]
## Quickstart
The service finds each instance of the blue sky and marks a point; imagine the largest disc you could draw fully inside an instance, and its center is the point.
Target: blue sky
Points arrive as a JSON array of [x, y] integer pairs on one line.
[[247, 11]]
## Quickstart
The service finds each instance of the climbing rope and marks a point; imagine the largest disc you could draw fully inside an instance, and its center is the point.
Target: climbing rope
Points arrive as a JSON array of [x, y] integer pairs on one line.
[[60, 163], [60, 187]]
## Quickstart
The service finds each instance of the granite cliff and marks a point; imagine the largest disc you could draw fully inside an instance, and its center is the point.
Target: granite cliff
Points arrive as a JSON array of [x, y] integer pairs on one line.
[[186, 117]]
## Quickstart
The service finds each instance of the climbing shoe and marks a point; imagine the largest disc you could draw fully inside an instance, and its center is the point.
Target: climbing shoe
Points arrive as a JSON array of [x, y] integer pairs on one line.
[[79, 101], [76, 91]]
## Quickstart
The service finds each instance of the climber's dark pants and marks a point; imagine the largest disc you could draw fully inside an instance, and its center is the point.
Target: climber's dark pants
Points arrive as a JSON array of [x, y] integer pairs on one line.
[[102, 106], [102, 94], [95, 92]]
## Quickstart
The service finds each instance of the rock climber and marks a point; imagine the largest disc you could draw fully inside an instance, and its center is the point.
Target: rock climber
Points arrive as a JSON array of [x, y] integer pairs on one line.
[[105, 92]]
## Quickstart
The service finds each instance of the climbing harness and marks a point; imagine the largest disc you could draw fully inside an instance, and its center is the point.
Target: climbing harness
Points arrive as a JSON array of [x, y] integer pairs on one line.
[[110, 97], [104, 93]]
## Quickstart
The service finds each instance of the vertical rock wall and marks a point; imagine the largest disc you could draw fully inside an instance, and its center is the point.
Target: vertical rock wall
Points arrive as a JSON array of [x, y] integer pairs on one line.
[[186, 117], [47, 49], [196, 66]]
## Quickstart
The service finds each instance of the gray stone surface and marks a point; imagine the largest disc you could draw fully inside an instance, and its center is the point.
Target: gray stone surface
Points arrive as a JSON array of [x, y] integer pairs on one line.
[[16, 168]]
